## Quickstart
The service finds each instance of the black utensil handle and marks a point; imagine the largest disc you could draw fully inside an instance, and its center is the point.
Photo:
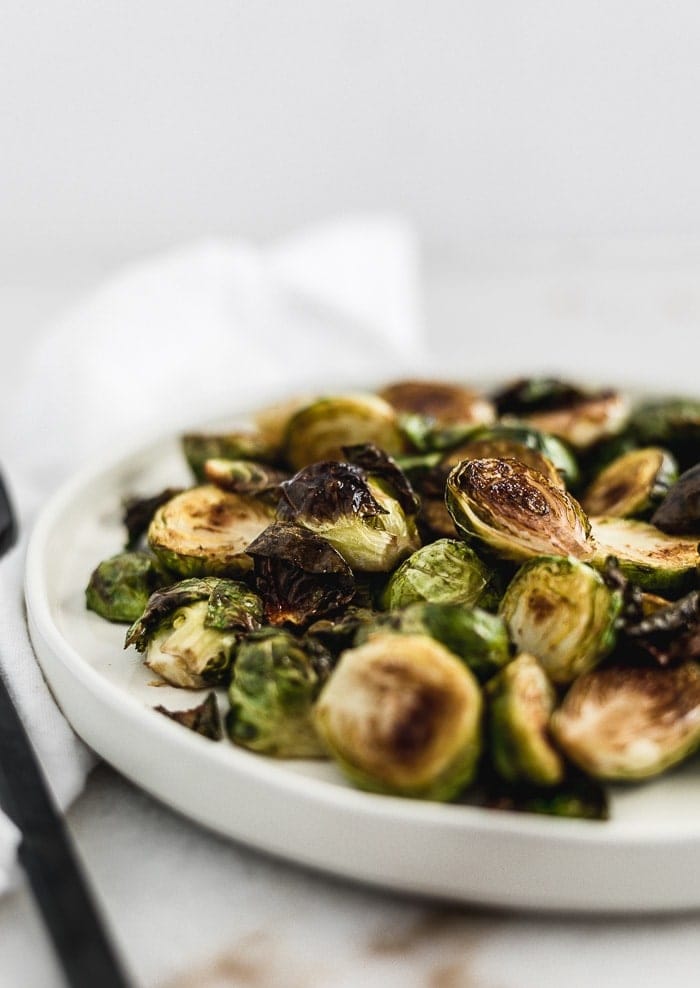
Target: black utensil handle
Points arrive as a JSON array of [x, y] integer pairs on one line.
[[47, 855]]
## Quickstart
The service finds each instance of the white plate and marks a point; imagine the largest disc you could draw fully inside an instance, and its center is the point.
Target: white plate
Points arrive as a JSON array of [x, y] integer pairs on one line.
[[646, 858]]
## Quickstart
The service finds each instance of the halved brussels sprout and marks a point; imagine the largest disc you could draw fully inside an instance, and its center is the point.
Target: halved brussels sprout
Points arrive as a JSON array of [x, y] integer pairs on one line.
[[436, 415], [516, 512], [631, 485], [679, 512], [581, 418], [189, 631], [446, 571], [521, 702], [402, 715], [443, 403], [298, 574], [357, 514], [561, 611], [275, 684], [244, 444], [630, 723], [320, 430], [271, 421], [245, 477], [551, 448], [479, 639], [673, 423], [119, 587], [665, 564], [205, 531]]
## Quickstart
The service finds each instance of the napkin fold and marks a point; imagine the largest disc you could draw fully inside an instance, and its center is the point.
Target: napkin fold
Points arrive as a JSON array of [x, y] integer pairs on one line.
[[169, 342]]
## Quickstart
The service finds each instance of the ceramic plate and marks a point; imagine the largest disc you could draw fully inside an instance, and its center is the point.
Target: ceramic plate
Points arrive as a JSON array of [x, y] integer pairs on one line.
[[647, 857]]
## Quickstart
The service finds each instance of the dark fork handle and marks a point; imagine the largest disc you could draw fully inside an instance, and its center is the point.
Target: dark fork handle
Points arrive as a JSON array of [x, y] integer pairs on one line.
[[47, 855]]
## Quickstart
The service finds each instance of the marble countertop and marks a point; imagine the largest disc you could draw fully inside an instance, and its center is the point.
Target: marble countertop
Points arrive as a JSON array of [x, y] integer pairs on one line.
[[190, 910]]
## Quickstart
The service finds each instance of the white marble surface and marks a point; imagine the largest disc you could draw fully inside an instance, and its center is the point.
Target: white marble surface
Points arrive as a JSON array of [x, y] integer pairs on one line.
[[189, 909]]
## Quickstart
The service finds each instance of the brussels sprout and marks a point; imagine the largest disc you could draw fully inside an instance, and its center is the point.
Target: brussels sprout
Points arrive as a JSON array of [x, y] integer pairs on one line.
[[665, 564], [579, 417], [679, 512], [120, 587], [445, 571], [320, 430], [521, 702], [673, 423], [631, 485], [440, 402], [479, 639], [203, 719], [401, 715], [246, 477], [242, 445], [337, 634], [436, 415], [139, 511], [298, 574], [189, 631], [516, 512], [275, 683], [536, 394], [630, 723], [561, 611], [354, 512], [205, 531], [551, 448]]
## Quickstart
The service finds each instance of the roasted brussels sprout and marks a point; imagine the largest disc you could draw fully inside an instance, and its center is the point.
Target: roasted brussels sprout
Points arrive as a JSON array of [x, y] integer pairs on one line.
[[435, 415], [674, 424], [189, 631], [442, 403], [120, 587], [632, 485], [446, 571], [298, 574], [630, 723], [560, 610], [581, 418], [242, 445], [521, 701], [402, 715], [205, 531], [479, 639], [246, 477], [665, 564], [275, 683], [203, 719], [516, 512], [679, 512], [357, 514], [495, 440], [320, 430]]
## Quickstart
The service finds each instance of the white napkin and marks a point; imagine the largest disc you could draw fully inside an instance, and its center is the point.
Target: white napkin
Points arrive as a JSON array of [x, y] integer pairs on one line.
[[171, 341]]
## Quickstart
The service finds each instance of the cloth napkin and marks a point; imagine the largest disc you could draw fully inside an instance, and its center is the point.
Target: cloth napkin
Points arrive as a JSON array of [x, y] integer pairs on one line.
[[169, 342]]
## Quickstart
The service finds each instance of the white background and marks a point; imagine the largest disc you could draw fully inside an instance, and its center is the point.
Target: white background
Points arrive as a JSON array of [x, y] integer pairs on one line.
[[126, 126]]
